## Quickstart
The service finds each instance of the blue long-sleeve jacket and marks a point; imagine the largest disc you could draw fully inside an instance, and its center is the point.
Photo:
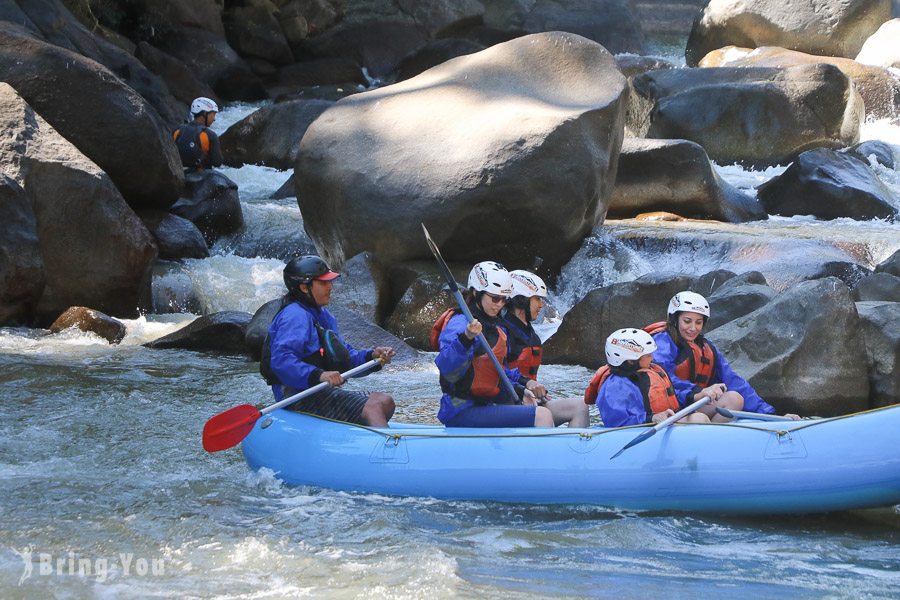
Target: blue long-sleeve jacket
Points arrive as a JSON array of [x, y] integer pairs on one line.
[[665, 355], [455, 359], [620, 402], [293, 336]]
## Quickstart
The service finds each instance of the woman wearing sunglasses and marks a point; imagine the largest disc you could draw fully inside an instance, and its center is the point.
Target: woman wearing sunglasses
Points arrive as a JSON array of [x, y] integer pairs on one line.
[[474, 395]]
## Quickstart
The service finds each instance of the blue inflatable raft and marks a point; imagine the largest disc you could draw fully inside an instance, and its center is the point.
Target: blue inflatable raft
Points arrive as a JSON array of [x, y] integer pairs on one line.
[[744, 467]]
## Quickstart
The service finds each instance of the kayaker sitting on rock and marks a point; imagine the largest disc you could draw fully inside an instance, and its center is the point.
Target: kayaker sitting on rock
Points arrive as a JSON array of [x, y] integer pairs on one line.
[[525, 345], [696, 366], [303, 348], [474, 395], [632, 389], [198, 145]]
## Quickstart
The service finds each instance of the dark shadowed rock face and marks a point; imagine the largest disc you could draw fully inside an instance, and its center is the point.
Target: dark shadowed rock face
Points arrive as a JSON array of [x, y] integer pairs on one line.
[[211, 203], [676, 176], [881, 331], [877, 287], [824, 27], [890, 265], [104, 118], [221, 332], [828, 185], [176, 237], [803, 352], [509, 153], [21, 266], [86, 319], [96, 252]]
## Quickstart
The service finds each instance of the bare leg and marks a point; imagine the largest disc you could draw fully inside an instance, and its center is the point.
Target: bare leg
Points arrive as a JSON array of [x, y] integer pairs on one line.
[[378, 410], [569, 410], [729, 400], [543, 417]]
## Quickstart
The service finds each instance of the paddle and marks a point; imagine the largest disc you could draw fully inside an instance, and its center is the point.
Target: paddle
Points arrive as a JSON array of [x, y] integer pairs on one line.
[[651, 432], [741, 414], [454, 289], [229, 428]]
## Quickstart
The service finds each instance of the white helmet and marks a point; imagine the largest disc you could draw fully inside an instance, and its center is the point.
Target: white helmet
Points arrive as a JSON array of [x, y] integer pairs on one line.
[[527, 284], [688, 302], [202, 104], [628, 344], [492, 278]]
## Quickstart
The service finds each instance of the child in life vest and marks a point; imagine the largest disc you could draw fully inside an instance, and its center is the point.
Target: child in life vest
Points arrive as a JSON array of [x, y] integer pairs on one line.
[[634, 390], [696, 366]]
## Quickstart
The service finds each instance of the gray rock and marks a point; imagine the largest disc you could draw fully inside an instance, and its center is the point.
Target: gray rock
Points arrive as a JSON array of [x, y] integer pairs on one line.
[[271, 135], [737, 297], [176, 237], [676, 176], [805, 107], [828, 185], [883, 153], [417, 311], [363, 287], [507, 153], [211, 203], [881, 332], [803, 352], [877, 287], [880, 48], [824, 27], [254, 31], [435, 53], [21, 266], [890, 265], [138, 153], [95, 250], [221, 332]]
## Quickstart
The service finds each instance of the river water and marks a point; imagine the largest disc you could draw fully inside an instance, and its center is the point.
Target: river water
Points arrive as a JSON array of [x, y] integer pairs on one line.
[[107, 492]]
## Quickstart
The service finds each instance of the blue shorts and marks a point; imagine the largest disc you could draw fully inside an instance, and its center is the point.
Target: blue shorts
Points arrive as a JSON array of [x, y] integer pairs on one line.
[[495, 415]]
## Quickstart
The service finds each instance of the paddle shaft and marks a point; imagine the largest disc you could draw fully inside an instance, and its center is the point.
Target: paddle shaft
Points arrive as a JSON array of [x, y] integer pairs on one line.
[[742, 414], [454, 288], [319, 386]]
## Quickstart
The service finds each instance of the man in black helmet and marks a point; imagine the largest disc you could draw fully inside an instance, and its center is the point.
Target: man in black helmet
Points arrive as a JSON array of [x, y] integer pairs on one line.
[[303, 349]]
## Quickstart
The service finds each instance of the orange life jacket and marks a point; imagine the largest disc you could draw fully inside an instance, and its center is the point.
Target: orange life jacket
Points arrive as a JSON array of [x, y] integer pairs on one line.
[[695, 363], [485, 381], [529, 358], [590, 394], [654, 383]]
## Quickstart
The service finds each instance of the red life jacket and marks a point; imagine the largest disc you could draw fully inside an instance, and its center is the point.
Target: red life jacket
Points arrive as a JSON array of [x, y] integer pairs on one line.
[[486, 380], [695, 363], [590, 394], [527, 362]]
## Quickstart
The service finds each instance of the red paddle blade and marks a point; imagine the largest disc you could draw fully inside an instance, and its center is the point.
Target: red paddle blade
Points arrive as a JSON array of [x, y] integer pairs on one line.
[[228, 429]]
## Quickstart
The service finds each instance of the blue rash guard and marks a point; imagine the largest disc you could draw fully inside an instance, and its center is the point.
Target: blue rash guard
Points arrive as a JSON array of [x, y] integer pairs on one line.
[[665, 355], [293, 336], [454, 360], [620, 402]]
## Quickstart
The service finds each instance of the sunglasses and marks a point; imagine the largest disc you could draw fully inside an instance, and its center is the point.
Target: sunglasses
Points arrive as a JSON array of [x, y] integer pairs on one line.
[[496, 299]]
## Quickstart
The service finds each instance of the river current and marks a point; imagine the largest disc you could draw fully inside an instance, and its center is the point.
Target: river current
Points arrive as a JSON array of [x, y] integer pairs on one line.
[[106, 492]]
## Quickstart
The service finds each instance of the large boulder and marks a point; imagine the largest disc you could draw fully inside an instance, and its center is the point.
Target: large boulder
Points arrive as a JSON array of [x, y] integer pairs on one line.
[[221, 332], [315, 72], [110, 268], [93, 321], [205, 14], [823, 27], [737, 297], [881, 49], [271, 135], [80, 98], [175, 236], [877, 287], [21, 265], [828, 185], [509, 153], [418, 309], [581, 337], [180, 80], [363, 287], [612, 23], [57, 25], [211, 202], [881, 331], [435, 53], [438, 16], [890, 265], [755, 116], [878, 87], [253, 30], [803, 352], [676, 176]]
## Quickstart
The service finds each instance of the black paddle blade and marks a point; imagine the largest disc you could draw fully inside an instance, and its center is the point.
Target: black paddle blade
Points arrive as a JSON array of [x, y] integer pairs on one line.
[[442, 265]]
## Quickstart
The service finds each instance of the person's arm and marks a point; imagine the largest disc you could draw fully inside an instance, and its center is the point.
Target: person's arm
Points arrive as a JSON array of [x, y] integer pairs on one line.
[[735, 383], [620, 403], [456, 349], [214, 157]]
